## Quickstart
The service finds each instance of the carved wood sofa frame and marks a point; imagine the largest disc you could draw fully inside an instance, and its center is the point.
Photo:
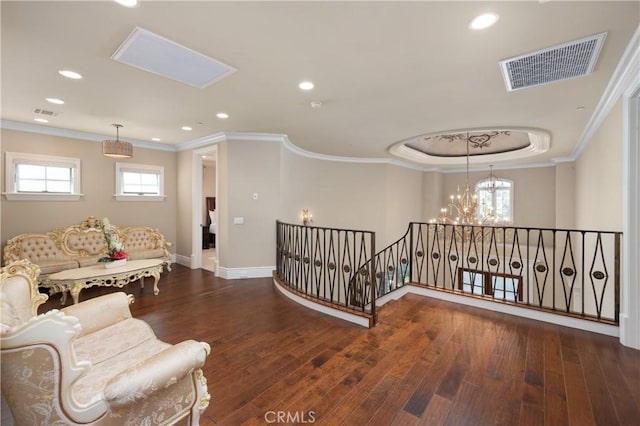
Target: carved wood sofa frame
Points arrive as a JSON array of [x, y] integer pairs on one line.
[[82, 245]]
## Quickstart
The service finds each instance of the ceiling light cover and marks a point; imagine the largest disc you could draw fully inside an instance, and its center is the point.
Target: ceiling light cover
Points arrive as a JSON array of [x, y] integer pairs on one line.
[[128, 3], [41, 120], [222, 115], [70, 74], [562, 62], [483, 21], [158, 55], [186, 128], [117, 148], [306, 85], [55, 101]]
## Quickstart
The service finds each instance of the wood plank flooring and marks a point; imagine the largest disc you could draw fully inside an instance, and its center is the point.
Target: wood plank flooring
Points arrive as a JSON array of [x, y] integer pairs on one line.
[[427, 362]]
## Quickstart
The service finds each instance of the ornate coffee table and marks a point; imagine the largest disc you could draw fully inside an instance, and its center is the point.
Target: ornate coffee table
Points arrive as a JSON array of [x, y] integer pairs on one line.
[[74, 280]]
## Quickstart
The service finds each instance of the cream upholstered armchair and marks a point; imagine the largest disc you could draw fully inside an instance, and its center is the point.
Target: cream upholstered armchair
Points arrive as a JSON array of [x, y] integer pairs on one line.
[[92, 363]]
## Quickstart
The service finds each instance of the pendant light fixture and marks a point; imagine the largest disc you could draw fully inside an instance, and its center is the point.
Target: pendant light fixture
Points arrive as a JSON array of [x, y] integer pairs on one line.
[[462, 208], [492, 181], [117, 148]]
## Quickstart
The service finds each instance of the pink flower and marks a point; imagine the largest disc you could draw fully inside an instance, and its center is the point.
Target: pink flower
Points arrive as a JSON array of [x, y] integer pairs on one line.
[[120, 254]]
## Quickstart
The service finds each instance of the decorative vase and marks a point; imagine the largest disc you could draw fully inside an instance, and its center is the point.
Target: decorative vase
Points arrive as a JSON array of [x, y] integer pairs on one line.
[[115, 263]]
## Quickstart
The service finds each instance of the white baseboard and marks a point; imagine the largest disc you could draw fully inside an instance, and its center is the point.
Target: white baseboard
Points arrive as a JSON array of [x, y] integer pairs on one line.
[[629, 335], [595, 327], [249, 272], [336, 313], [182, 260]]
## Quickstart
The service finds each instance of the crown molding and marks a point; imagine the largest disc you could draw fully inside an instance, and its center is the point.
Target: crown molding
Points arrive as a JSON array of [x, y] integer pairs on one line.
[[559, 160], [503, 167], [201, 142], [76, 134], [623, 78]]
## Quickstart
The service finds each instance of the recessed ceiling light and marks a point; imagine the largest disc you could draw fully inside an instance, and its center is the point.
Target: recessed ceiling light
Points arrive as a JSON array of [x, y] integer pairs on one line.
[[306, 85], [41, 120], [186, 128], [222, 115], [70, 74], [128, 3], [55, 101], [155, 139], [483, 21]]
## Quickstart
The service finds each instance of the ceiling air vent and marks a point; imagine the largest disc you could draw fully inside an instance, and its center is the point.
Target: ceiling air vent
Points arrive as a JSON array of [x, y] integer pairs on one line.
[[562, 62], [46, 112], [156, 54]]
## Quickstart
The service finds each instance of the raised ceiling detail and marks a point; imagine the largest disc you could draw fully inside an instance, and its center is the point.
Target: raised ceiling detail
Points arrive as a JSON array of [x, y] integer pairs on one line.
[[562, 62], [480, 143], [153, 53], [486, 145]]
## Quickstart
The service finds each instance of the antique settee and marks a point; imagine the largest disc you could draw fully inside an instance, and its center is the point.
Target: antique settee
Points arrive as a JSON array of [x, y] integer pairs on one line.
[[92, 363], [82, 245]]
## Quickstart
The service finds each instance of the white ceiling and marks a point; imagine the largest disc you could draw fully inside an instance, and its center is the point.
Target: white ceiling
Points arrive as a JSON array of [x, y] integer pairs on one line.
[[384, 71]]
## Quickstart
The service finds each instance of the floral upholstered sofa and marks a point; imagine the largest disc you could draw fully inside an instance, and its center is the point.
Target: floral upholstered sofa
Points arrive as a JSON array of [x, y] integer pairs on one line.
[[82, 245], [92, 363]]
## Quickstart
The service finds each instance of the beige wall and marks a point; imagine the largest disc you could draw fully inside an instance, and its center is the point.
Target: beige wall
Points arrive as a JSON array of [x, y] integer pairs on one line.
[[599, 177], [403, 203], [566, 195], [184, 208], [432, 195], [373, 197], [534, 193], [252, 168], [98, 187]]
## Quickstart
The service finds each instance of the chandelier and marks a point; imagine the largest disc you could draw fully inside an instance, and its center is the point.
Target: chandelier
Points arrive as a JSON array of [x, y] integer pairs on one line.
[[117, 148], [491, 181], [462, 208]]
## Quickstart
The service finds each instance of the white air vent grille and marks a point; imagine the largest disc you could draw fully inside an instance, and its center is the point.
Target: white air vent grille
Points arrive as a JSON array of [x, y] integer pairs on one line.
[[46, 112], [153, 53], [568, 60]]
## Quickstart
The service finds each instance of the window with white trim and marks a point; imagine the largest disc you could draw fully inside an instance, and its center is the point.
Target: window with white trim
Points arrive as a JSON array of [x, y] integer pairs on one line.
[[139, 182], [498, 203], [34, 177]]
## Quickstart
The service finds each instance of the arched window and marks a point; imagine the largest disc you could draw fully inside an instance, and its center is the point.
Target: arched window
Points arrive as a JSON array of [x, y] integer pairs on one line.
[[498, 202]]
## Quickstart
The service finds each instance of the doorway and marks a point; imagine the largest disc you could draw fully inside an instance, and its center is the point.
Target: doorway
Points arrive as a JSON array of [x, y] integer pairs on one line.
[[205, 230]]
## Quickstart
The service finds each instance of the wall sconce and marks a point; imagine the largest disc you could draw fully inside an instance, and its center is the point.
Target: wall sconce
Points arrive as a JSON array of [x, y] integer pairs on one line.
[[306, 217]]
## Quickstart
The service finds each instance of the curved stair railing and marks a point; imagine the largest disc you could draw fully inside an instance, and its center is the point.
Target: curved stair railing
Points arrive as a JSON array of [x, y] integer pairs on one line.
[[320, 264], [568, 272]]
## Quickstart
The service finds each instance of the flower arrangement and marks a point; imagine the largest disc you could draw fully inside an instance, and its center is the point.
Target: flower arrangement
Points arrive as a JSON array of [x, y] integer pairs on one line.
[[115, 248]]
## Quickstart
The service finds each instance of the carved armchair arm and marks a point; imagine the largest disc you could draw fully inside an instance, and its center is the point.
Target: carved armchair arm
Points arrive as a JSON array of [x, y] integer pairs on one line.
[[100, 312], [158, 372]]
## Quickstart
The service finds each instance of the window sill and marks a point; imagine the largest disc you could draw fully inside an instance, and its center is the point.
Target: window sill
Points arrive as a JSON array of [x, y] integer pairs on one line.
[[120, 197], [23, 196]]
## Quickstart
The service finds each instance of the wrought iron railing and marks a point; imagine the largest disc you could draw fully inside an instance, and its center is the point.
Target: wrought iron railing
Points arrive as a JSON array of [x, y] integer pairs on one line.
[[569, 272], [326, 264]]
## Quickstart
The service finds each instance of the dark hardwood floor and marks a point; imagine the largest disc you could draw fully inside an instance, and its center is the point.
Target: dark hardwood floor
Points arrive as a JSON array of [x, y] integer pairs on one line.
[[427, 362]]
